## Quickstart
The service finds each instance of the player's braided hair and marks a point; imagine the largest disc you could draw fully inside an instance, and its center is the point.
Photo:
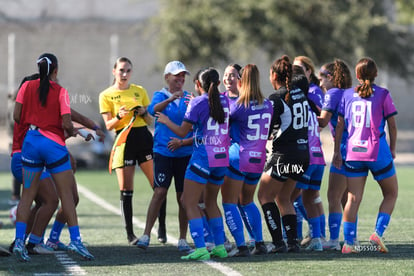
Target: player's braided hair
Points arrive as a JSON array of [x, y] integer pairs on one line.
[[340, 73], [283, 69], [366, 71]]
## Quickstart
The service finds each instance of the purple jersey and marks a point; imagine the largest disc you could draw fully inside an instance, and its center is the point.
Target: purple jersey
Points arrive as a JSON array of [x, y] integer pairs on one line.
[[365, 119], [254, 124], [331, 104], [315, 146], [315, 94], [210, 138]]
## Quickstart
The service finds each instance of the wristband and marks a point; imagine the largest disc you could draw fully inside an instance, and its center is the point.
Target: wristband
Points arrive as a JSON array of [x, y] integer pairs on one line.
[[181, 142], [96, 127], [118, 117]]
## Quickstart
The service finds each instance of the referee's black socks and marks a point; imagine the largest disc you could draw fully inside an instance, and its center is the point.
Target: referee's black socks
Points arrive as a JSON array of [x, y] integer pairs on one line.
[[126, 208]]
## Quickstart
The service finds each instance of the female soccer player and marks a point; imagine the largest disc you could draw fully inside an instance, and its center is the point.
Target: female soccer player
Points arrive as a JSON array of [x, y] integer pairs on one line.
[[208, 116], [251, 115], [315, 95], [363, 112], [334, 78], [118, 104], [289, 158], [44, 106], [310, 182]]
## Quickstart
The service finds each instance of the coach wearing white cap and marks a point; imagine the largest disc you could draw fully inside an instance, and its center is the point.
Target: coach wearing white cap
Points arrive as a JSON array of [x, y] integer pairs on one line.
[[171, 152]]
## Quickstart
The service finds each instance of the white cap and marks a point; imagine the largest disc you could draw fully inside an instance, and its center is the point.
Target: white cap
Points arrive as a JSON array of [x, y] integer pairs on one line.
[[175, 67]]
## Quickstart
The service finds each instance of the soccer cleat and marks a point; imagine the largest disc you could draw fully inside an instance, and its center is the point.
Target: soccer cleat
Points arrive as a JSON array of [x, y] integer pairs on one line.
[[348, 249], [293, 247], [241, 251], [200, 254], [143, 242], [251, 244], [210, 246], [315, 245], [38, 249], [219, 251], [132, 240], [57, 245], [278, 247], [79, 248], [228, 245], [20, 250], [259, 249], [183, 246], [332, 245], [376, 240], [162, 233]]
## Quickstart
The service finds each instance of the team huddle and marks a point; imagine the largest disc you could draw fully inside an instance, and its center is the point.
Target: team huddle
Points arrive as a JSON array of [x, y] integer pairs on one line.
[[211, 142]]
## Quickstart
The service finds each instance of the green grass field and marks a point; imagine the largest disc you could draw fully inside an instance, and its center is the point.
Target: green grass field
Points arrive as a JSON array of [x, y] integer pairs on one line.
[[102, 229]]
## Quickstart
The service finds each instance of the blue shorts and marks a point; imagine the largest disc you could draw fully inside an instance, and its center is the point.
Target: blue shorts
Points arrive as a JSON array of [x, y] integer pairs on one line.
[[165, 168], [17, 168], [312, 179], [39, 152], [341, 171], [198, 170], [233, 171], [380, 169]]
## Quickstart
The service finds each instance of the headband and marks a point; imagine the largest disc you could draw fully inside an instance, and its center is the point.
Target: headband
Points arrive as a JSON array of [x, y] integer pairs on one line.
[[49, 62]]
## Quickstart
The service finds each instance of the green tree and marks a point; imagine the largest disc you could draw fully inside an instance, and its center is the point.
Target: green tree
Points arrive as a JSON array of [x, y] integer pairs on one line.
[[208, 31], [405, 11]]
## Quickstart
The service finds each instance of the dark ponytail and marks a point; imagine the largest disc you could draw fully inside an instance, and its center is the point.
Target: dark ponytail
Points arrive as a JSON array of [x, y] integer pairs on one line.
[[46, 63], [210, 81], [283, 69]]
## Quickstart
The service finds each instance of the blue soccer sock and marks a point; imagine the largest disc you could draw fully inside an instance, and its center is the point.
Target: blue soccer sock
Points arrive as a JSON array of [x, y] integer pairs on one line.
[[349, 232], [196, 230], [255, 220], [74, 233], [383, 219], [322, 221], [208, 235], [298, 204], [217, 227], [234, 223], [246, 222], [315, 229], [35, 239], [21, 230], [334, 221], [57, 228]]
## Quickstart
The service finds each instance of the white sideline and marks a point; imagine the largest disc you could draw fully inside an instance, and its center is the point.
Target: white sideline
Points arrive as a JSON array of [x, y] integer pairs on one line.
[[172, 240]]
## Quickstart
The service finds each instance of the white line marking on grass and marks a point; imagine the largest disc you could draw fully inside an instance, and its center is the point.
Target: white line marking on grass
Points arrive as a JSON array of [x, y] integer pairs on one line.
[[172, 240], [71, 267]]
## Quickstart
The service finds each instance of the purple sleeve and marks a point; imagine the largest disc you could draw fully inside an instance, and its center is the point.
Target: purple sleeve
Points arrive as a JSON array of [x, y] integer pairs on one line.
[[389, 107], [332, 98], [315, 94]]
